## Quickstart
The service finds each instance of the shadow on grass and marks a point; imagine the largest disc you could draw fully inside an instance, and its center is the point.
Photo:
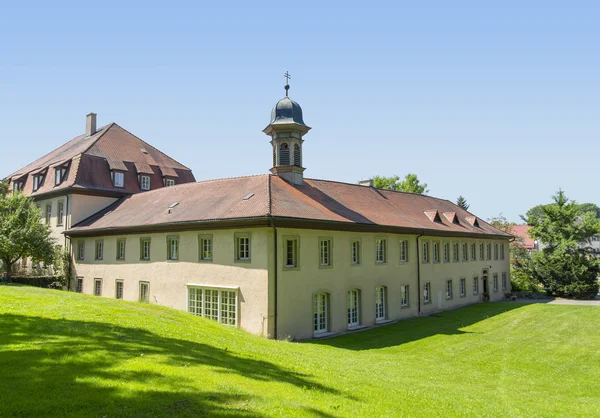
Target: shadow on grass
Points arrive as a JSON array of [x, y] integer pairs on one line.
[[403, 332], [64, 367]]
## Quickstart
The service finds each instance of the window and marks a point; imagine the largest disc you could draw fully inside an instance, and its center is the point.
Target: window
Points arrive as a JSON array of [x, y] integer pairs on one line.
[[426, 252], [455, 256], [475, 285], [404, 251], [99, 250], [119, 289], [463, 287], [173, 248], [446, 252], [144, 292], [79, 288], [353, 308], [242, 247], [217, 304], [291, 252], [502, 251], [504, 284], [169, 182], [297, 156], [320, 313], [145, 182], [488, 253], [449, 289], [380, 311], [380, 250], [61, 214], [119, 179], [404, 293], [38, 181], [145, 248], [436, 252], [481, 254], [427, 293], [495, 279], [48, 213], [98, 287], [465, 252], [473, 252], [205, 245], [284, 154], [121, 249], [495, 251], [57, 177], [325, 252], [81, 250], [355, 252]]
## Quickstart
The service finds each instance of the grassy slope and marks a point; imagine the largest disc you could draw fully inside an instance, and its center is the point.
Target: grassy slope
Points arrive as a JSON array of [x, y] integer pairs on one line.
[[65, 353]]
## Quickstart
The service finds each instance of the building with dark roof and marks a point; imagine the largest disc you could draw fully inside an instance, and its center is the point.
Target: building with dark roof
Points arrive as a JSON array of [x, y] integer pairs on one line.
[[282, 255]]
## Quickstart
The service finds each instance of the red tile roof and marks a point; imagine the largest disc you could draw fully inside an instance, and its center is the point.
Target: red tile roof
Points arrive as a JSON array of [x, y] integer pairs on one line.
[[272, 197], [91, 159], [522, 232]]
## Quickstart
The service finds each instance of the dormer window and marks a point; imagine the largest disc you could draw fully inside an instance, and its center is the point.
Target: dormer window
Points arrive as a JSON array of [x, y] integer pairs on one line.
[[284, 154], [119, 179], [17, 186], [145, 182], [59, 175], [169, 182], [38, 181]]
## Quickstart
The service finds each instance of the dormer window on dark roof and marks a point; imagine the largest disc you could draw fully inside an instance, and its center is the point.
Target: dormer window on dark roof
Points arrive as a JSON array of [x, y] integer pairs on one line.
[[60, 173], [118, 178], [18, 185], [38, 181]]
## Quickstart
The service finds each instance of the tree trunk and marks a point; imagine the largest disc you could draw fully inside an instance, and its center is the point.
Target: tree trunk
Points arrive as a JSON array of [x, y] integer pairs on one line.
[[8, 269]]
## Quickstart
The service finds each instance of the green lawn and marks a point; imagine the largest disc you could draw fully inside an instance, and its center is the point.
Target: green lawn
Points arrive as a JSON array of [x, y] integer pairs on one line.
[[69, 354]]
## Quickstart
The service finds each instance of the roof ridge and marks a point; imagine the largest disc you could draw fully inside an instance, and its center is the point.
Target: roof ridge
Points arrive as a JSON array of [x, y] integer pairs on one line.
[[150, 145], [107, 126]]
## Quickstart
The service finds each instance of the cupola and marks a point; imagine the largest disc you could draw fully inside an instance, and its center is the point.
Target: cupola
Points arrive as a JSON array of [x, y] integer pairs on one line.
[[286, 130]]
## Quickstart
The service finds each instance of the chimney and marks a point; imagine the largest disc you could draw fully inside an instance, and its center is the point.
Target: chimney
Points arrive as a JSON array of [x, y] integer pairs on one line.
[[90, 124], [367, 183]]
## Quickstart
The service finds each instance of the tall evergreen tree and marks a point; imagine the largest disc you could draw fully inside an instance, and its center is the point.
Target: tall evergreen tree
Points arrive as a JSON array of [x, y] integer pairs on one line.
[[461, 202], [566, 265]]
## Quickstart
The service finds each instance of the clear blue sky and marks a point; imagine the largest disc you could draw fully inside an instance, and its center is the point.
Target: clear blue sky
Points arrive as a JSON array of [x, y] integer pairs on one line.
[[498, 103]]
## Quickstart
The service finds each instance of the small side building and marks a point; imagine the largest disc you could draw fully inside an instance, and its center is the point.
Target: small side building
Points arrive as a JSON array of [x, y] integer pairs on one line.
[[281, 255]]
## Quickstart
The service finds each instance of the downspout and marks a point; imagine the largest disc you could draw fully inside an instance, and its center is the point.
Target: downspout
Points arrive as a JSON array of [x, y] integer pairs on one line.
[[419, 291], [274, 278]]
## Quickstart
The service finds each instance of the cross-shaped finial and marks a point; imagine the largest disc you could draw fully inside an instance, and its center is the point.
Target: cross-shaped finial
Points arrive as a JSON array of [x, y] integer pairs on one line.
[[287, 82]]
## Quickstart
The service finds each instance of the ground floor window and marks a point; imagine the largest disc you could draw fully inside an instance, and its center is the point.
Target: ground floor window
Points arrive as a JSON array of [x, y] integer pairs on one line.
[[320, 312], [144, 292], [427, 293], [98, 287], [448, 289], [495, 278], [404, 292], [217, 304], [463, 287], [119, 289], [79, 285], [475, 285], [503, 281], [380, 303], [353, 307]]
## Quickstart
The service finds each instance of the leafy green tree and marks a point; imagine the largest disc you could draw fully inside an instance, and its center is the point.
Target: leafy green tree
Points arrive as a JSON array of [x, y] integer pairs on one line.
[[461, 202], [537, 211], [566, 265], [410, 184], [3, 188], [21, 232]]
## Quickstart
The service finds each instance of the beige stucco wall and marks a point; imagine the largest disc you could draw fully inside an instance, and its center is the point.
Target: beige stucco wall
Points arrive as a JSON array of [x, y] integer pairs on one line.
[[84, 206], [296, 287], [169, 279]]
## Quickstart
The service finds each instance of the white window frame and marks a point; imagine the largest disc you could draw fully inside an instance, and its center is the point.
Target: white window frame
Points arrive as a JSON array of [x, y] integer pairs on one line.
[[403, 251], [496, 252], [463, 287], [325, 250], [80, 250], [481, 251], [380, 250], [173, 248], [291, 250], [145, 182], [99, 250], [504, 281], [473, 251], [353, 308], [502, 251], [404, 296], [455, 252], [121, 249], [427, 293], [60, 213], [205, 246], [495, 281], [446, 252], [97, 287], [57, 176], [380, 303], [425, 256], [475, 285], [79, 288], [488, 251], [48, 213], [119, 289], [145, 250], [119, 179], [320, 313], [169, 182], [436, 252], [214, 303], [144, 291], [465, 251], [355, 252], [448, 289]]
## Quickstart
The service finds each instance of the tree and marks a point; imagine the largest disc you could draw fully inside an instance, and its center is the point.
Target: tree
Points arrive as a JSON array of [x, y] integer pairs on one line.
[[4, 187], [21, 232], [410, 184], [537, 211], [566, 265], [461, 202]]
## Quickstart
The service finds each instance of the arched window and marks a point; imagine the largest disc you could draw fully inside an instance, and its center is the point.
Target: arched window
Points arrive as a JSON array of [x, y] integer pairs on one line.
[[297, 156], [353, 308], [284, 154], [320, 313], [380, 306]]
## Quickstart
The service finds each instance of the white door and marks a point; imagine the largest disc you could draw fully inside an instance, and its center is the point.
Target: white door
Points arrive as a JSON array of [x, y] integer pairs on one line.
[[320, 313], [353, 303]]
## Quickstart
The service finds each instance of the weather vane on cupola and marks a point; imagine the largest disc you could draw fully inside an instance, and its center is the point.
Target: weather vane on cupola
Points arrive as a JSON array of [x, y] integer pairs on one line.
[[287, 82]]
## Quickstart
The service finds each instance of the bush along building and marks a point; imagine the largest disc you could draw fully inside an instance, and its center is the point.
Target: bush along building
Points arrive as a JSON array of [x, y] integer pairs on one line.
[[89, 173], [281, 255]]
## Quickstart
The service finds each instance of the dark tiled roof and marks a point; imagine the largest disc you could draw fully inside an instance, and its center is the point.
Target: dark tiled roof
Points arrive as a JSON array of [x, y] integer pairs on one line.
[[315, 200], [91, 159]]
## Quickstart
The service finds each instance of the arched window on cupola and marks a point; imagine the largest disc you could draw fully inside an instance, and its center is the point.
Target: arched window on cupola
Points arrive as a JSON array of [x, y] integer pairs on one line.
[[284, 154], [297, 157]]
